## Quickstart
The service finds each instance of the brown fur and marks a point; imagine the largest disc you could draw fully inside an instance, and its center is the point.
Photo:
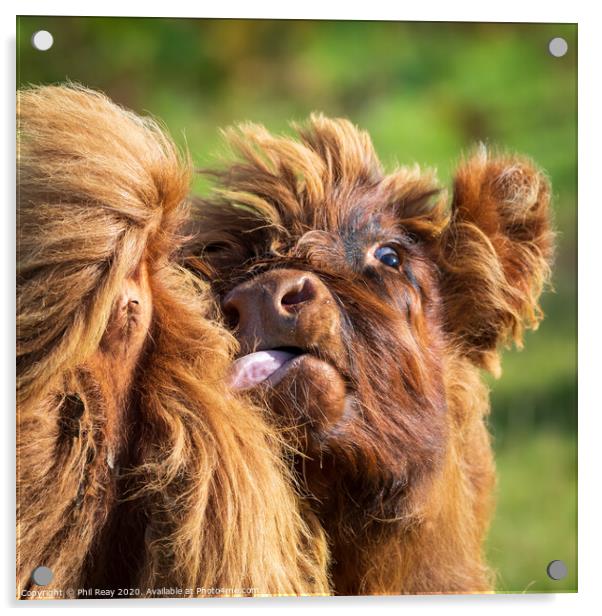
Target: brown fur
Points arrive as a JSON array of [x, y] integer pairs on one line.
[[397, 461], [136, 467]]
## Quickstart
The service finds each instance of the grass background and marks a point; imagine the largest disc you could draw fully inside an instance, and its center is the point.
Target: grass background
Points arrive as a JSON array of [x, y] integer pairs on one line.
[[426, 92]]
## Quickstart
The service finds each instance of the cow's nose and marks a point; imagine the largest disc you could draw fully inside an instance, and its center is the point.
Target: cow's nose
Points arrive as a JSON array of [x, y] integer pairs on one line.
[[265, 310]]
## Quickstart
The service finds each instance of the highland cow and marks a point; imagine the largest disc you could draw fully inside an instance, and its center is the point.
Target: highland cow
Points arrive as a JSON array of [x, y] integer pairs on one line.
[[137, 467], [365, 308]]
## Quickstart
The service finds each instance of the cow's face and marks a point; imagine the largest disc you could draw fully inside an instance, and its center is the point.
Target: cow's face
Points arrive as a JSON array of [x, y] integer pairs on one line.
[[334, 302], [341, 332], [349, 290]]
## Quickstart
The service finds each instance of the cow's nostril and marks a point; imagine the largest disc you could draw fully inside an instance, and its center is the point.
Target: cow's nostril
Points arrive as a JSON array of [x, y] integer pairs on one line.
[[305, 291], [231, 316]]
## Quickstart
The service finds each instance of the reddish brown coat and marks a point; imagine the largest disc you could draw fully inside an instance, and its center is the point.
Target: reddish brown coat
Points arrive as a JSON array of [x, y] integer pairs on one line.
[[395, 456]]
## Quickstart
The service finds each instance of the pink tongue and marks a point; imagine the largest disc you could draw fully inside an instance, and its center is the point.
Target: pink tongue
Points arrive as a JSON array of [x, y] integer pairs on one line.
[[257, 367]]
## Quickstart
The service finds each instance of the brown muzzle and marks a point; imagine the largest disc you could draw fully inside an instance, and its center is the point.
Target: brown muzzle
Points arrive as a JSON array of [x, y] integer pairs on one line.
[[282, 308], [288, 326]]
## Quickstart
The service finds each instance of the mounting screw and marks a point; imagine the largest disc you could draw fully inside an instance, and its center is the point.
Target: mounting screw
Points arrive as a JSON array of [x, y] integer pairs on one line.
[[557, 570], [42, 576]]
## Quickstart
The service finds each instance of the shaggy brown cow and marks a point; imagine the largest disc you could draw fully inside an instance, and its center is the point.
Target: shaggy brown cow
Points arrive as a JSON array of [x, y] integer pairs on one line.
[[137, 468], [365, 309]]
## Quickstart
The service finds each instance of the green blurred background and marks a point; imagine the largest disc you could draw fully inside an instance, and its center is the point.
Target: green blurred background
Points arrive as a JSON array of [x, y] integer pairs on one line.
[[426, 92]]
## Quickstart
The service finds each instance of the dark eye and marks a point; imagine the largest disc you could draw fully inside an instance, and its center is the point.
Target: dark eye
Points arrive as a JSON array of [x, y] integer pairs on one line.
[[388, 256]]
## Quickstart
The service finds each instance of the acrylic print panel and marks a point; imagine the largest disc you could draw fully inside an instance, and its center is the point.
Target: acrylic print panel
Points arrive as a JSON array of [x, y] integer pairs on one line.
[[276, 378]]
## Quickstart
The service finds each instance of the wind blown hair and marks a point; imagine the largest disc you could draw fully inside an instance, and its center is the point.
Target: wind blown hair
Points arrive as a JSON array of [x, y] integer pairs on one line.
[[404, 485], [136, 466]]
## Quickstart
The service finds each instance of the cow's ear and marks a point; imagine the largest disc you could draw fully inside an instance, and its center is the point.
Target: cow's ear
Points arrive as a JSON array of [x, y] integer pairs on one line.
[[495, 254]]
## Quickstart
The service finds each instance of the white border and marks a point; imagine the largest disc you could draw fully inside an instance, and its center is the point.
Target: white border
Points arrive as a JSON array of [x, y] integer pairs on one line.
[[427, 10], [590, 307]]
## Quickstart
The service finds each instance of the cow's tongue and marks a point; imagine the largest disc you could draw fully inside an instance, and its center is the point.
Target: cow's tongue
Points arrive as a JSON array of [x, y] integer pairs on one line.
[[257, 367]]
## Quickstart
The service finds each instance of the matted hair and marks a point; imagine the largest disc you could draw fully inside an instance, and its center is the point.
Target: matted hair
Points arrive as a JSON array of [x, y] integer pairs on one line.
[[203, 498]]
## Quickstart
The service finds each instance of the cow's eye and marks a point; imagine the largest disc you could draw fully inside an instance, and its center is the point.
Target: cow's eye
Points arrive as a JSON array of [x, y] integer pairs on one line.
[[388, 256]]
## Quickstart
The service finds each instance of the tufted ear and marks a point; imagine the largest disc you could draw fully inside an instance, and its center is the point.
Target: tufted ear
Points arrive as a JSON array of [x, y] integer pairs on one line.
[[495, 254]]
